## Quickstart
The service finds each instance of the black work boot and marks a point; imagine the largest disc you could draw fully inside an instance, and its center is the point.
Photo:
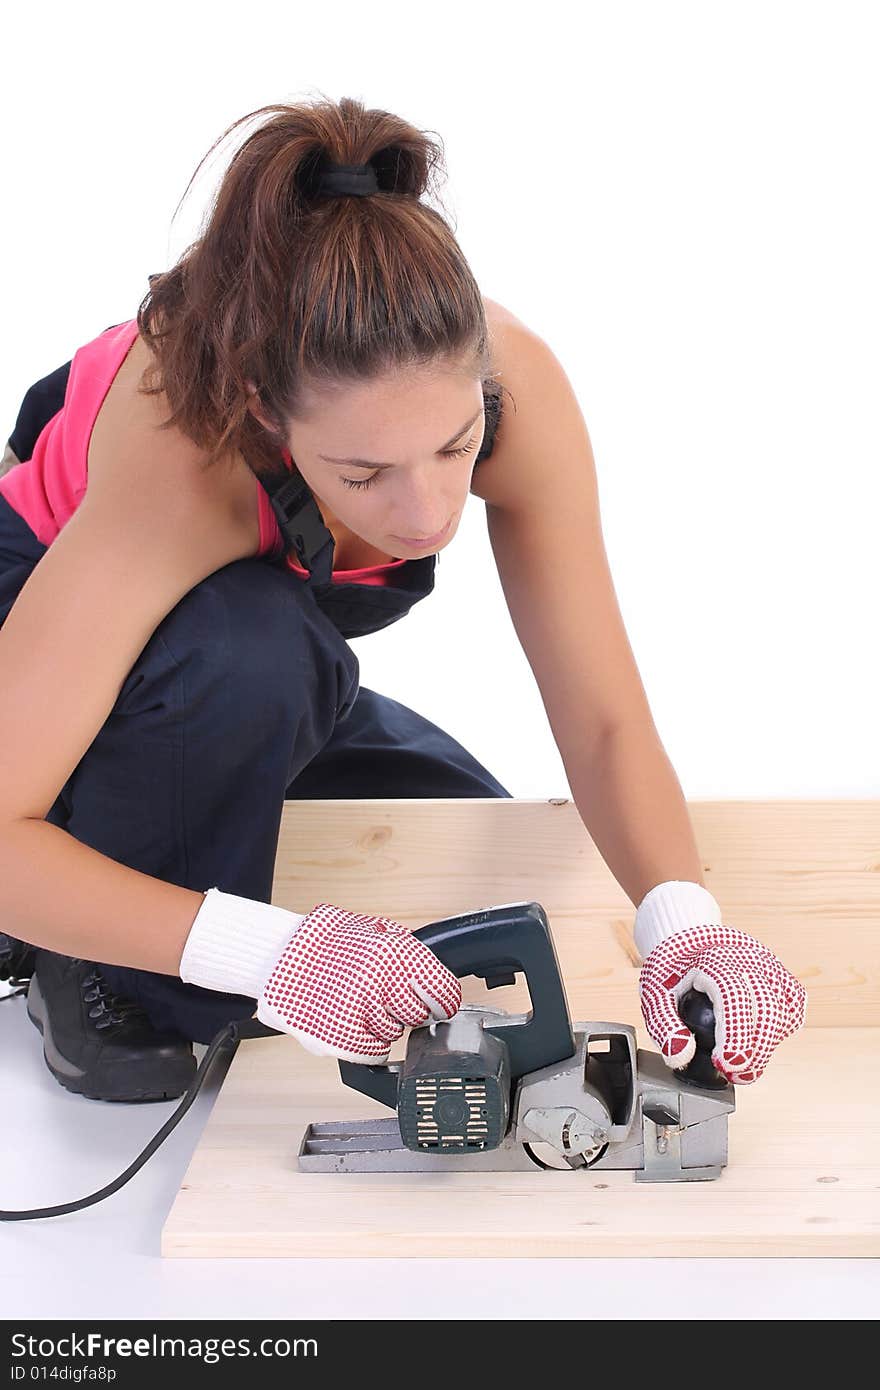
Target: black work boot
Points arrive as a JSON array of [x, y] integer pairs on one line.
[[99, 1044], [16, 959]]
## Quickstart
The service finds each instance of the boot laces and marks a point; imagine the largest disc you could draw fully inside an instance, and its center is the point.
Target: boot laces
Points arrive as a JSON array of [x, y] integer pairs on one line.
[[7, 952], [107, 1007]]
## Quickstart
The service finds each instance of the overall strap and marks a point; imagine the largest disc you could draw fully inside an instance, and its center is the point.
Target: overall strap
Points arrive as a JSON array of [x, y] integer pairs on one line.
[[302, 526]]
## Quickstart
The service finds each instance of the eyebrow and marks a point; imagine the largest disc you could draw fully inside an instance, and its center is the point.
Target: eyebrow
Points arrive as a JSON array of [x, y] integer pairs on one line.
[[366, 463]]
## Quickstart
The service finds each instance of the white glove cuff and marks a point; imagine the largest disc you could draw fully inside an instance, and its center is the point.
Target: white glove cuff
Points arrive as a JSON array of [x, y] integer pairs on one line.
[[669, 908], [234, 943]]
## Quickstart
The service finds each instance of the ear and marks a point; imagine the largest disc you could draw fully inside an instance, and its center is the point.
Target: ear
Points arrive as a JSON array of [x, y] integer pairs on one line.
[[254, 406]]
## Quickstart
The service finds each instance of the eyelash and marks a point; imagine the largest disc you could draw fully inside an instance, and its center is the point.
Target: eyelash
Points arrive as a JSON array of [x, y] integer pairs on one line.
[[449, 454]]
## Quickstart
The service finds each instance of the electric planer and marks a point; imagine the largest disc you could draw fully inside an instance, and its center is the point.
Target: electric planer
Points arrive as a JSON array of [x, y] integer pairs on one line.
[[495, 1091]]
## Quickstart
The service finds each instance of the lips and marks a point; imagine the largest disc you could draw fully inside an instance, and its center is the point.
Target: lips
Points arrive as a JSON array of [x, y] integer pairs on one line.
[[426, 540]]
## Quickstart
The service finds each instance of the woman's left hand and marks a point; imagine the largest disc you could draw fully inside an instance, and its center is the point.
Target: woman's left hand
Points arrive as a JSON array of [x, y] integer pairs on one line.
[[756, 1001]]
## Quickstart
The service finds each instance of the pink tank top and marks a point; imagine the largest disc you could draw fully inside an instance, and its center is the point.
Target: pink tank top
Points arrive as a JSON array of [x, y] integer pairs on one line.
[[47, 488]]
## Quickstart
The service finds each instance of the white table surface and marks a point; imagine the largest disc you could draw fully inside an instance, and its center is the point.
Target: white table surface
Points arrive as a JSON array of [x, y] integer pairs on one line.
[[104, 1261]]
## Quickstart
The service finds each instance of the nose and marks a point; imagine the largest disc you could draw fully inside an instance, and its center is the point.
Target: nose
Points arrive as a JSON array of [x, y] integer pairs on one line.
[[426, 519]]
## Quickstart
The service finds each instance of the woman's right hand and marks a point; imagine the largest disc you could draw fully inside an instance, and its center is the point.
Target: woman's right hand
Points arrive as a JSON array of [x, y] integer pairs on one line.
[[347, 984], [344, 984]]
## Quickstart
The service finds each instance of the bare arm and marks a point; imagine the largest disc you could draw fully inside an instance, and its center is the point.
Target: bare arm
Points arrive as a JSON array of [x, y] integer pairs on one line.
[[544, 523], [61, 894], [77, 627]]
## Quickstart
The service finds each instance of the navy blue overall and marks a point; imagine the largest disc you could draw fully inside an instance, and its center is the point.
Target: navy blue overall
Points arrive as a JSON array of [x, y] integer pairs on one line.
[[246, 694]]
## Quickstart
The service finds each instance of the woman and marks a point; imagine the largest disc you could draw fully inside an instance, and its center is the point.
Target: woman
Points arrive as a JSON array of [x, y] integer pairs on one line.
[[167, 566]]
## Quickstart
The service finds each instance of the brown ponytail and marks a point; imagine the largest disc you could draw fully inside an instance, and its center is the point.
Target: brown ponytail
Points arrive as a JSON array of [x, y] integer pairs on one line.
[[285, 287]]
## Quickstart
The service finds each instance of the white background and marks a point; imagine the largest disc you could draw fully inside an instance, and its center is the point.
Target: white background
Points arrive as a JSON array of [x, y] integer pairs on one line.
[[681, 198]]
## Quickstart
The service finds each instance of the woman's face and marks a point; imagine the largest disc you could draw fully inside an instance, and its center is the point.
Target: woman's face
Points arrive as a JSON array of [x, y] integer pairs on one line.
[[392, 458]]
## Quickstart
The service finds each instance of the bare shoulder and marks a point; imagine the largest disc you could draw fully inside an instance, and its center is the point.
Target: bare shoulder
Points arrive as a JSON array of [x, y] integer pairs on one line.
[[537, 398], [133, 461]]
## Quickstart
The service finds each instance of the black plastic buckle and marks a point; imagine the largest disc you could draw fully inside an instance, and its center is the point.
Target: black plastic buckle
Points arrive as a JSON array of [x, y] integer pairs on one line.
[[299, 519]]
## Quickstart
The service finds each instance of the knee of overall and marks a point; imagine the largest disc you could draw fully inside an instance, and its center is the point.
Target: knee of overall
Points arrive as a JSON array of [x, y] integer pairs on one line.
[[251, 635]]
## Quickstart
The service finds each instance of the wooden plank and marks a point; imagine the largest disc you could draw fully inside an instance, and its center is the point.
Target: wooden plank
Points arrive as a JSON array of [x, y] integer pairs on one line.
[[803, 1176], [802, 876]]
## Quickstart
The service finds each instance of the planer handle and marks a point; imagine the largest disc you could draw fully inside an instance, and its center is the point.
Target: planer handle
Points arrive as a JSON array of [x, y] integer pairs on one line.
[[695, 1009]]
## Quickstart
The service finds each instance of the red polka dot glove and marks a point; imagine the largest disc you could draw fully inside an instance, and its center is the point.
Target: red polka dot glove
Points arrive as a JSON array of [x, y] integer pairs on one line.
[[346, 984], [756, 1001]]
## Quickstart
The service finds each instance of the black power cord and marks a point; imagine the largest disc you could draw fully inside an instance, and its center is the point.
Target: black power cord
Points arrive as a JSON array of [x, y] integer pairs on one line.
[[228, 1036]]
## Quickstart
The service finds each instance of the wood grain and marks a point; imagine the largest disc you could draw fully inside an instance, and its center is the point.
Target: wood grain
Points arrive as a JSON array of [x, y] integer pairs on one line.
[[802, 876]]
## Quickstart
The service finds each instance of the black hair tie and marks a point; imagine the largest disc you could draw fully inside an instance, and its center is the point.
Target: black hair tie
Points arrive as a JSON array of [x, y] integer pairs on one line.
[[340, 179]]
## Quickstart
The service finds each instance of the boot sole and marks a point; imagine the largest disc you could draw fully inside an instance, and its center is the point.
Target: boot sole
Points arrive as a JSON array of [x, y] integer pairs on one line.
[[175, 1080]]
